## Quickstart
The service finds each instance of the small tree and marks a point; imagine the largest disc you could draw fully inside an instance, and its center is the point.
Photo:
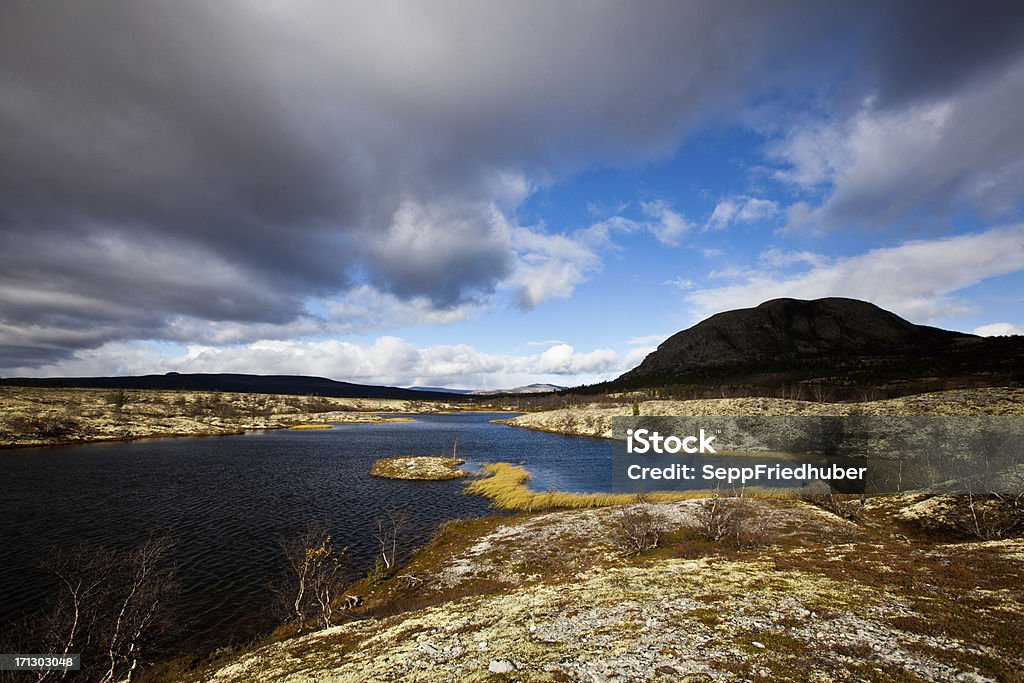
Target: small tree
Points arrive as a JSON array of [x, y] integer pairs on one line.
[[390, 528], [118, 398], [316, 575], [109, 606]]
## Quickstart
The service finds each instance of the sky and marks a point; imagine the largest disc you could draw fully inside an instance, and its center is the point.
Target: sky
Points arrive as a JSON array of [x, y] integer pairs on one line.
[[487, 194]]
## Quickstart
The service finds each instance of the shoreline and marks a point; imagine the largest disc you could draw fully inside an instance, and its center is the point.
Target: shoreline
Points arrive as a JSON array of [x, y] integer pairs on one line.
[[33, 417], [595, 420], [557, 593]]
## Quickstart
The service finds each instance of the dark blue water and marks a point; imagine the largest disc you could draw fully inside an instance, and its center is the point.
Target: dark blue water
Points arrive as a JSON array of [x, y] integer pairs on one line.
[[228, 499]]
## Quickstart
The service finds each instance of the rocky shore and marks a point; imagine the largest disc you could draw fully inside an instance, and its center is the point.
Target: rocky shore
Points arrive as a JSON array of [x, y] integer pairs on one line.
[[595, 420], [556, 597], [48, 417]]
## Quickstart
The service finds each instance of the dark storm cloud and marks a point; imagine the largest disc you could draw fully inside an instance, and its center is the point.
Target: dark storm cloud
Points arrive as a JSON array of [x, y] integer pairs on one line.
[[224, 161], [931, 126], [927, 48]]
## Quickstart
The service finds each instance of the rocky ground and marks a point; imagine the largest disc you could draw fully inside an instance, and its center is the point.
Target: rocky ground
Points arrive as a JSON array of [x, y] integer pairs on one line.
[[895, 590], [560, 597], [596, 419], [46, 417]]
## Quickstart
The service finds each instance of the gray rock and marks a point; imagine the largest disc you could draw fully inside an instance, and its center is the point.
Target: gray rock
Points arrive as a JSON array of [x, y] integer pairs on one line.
[[501, 666], [429, 649]]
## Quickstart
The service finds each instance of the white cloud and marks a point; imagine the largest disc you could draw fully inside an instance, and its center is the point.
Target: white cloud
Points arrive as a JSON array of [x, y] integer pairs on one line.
[[924, 159], [914, 279], [667, 226], [734, 210], [648, 340], [545, 343], [636, 356], [998, 330], [553, 265], [644, 346], [550, 266], [361, 310], [564, 360], [365, 309], [776, 258], [681, 283], [387, 360]]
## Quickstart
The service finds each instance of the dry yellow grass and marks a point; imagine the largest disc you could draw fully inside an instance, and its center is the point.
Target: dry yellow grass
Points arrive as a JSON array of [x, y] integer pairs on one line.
[[506, 487]]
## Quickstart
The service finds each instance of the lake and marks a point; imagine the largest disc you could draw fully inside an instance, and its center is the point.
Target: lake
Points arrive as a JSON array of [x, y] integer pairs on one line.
[[227, 500]]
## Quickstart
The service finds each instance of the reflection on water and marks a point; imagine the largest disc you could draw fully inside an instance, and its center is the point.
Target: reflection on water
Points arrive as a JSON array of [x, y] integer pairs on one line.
[[227, 500]]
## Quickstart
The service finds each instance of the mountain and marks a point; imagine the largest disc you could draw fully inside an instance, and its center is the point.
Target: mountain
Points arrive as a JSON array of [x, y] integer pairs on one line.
[[257, 384], [844, 343], [442, 390], [525, 389]]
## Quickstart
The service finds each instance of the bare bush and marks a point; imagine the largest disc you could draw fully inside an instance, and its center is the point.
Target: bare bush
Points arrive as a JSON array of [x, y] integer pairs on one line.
[[992, 516], [261, 407], [316, 576], [791, 392], [821, 392], [992, 506], [224, 409], [318, 404], [852, 510], [109, 606], [635, 529], [48, 425], [732, 520]]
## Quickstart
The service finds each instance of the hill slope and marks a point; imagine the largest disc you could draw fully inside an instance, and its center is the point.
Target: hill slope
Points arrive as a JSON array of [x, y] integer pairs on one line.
[[254, 384], [844, 343]]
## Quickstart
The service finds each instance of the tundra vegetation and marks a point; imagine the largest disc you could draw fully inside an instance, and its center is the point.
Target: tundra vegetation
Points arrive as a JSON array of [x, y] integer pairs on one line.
[[644, 591], [49, 416], [426, 467], [724, 585], [718, 586]]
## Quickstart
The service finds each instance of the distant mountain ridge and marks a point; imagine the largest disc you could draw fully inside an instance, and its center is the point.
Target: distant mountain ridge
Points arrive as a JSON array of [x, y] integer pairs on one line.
[[846, 343], [536, 388], [442, 390], [256, 384]]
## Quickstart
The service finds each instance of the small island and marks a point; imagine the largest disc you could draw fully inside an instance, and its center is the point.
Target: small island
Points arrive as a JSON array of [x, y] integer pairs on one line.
[[429, 467]]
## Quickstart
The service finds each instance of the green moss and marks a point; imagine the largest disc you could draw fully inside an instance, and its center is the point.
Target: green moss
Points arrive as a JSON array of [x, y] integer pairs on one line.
[[706, 616]]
